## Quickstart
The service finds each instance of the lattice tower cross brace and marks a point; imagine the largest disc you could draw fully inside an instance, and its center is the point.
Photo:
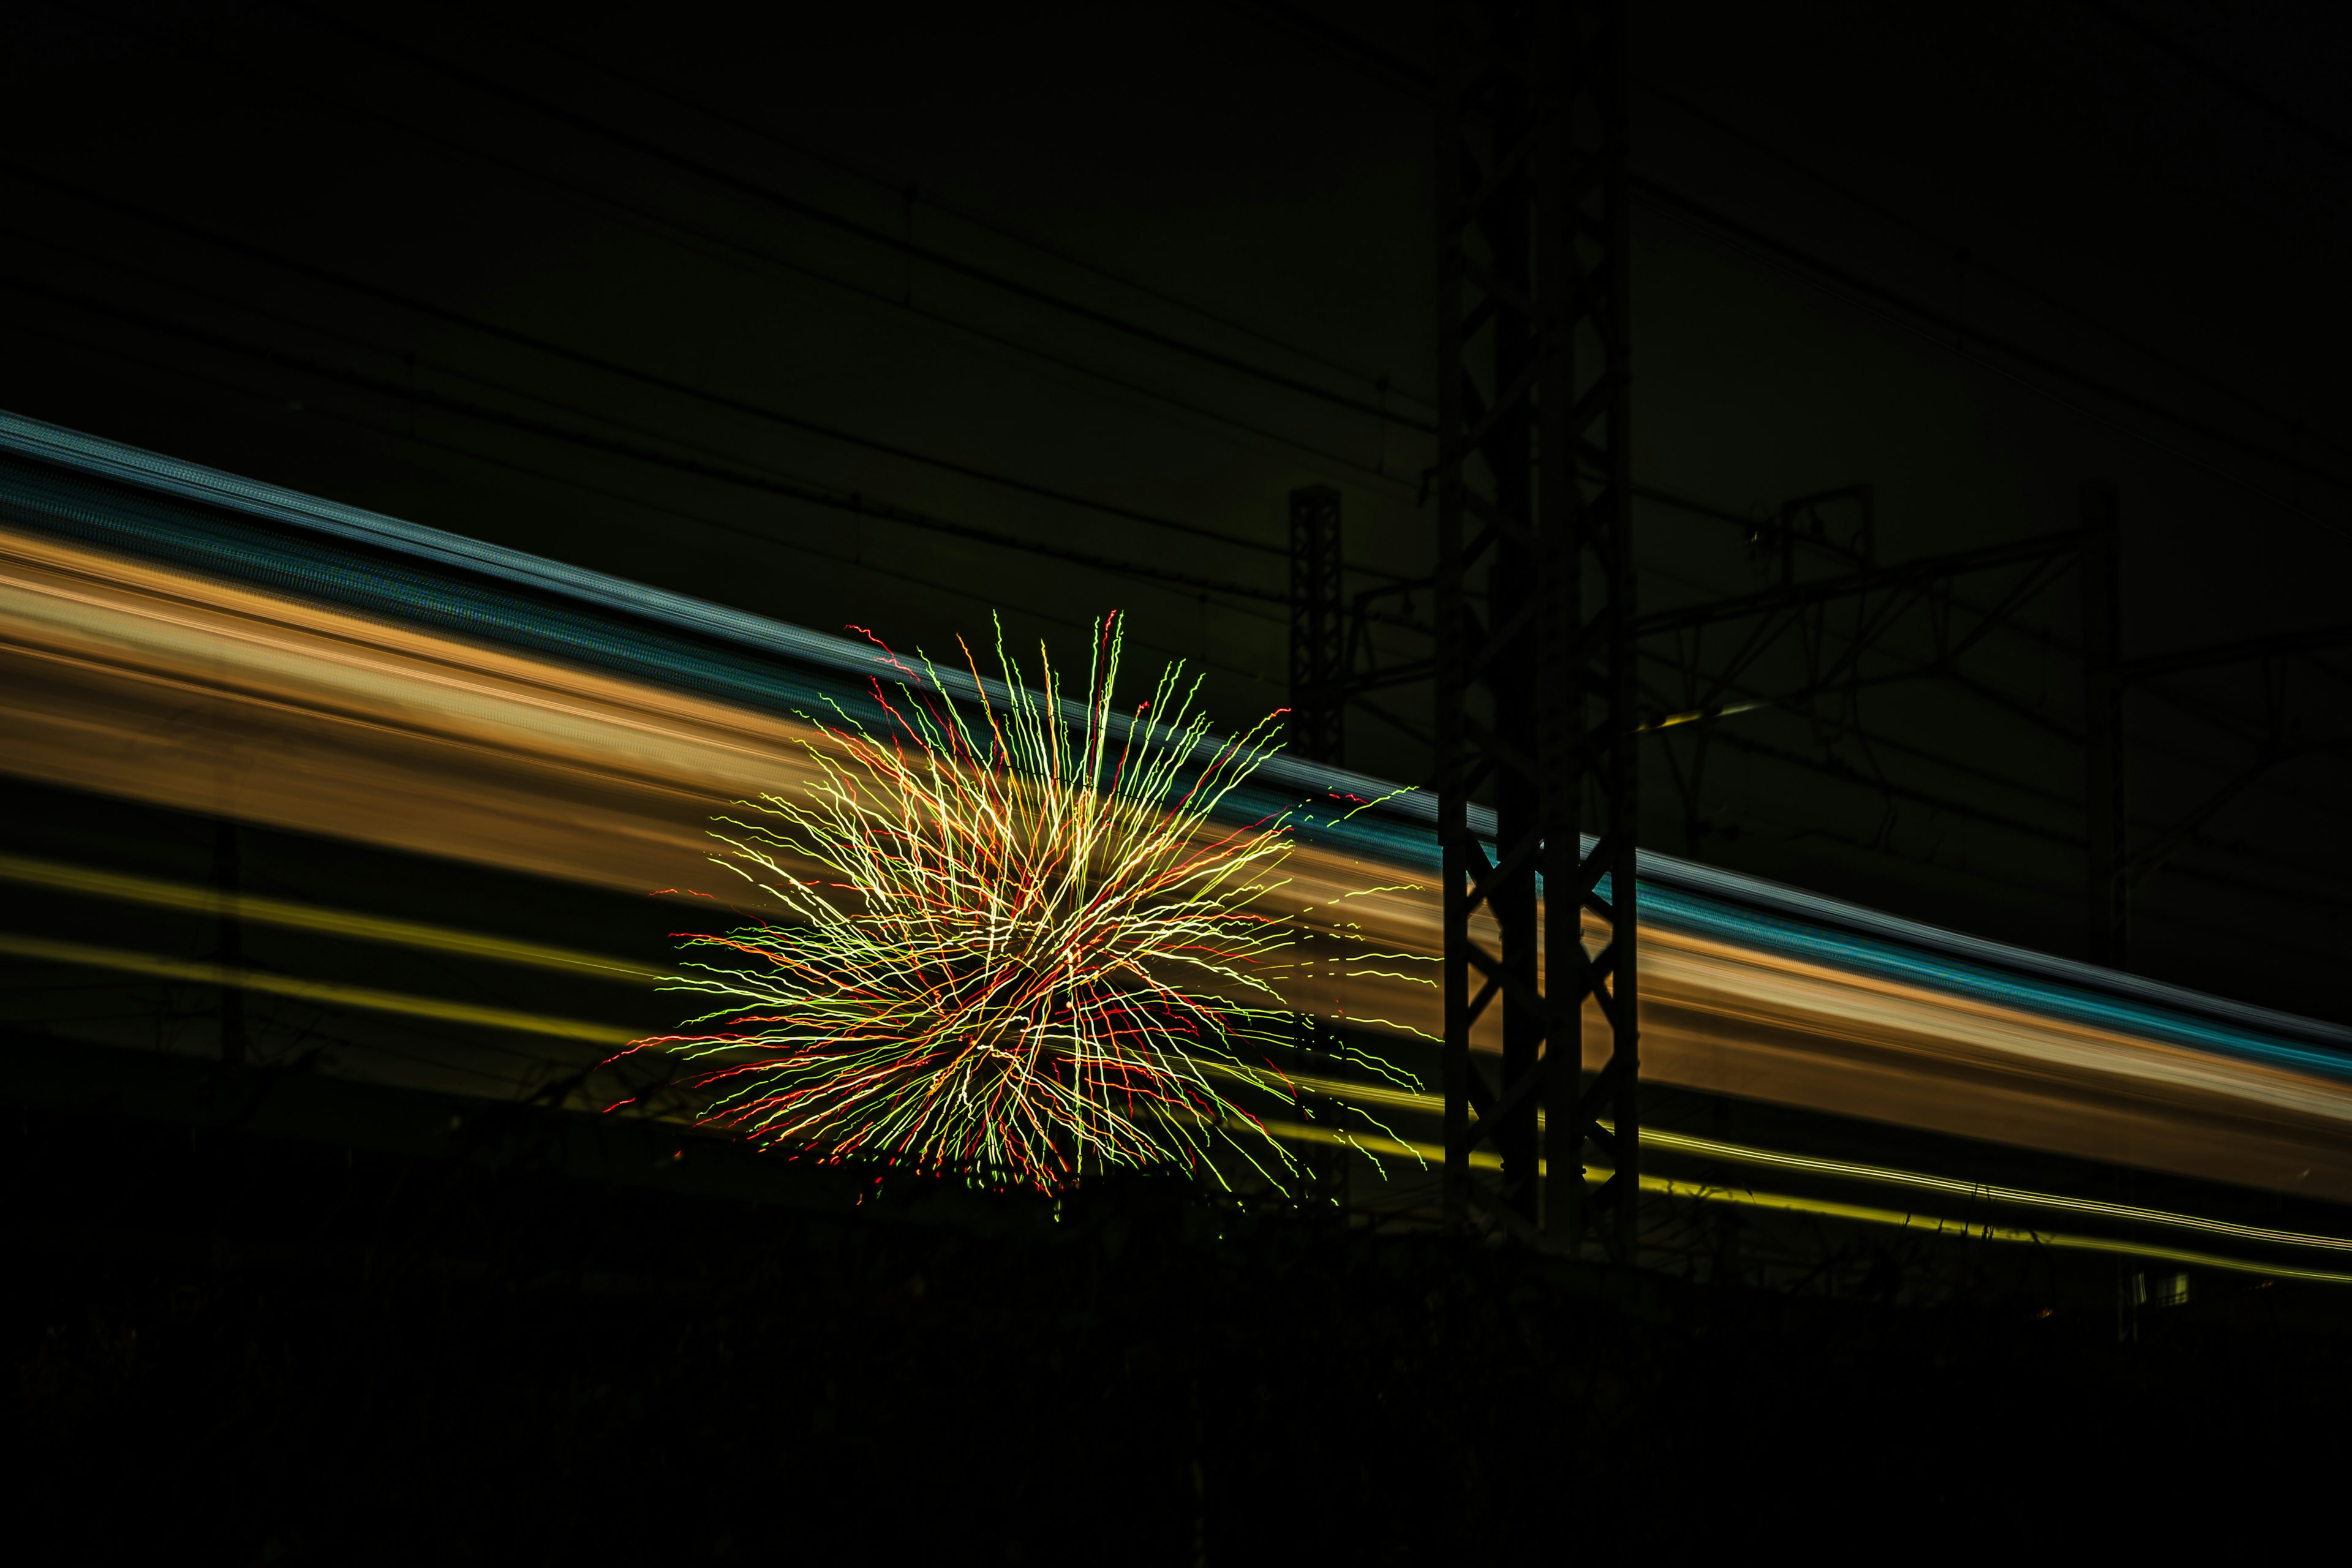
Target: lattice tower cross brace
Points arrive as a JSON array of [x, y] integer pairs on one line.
[[1319, 627], [1316, 731], [1536, 695]]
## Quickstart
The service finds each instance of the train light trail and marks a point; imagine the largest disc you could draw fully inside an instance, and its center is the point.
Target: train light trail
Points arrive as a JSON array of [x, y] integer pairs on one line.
[[1024, 938], [133, 679], [327, 993], [210, 644], [1900, 1219], [1697, 1147], [292, 915], [1373, 1144]]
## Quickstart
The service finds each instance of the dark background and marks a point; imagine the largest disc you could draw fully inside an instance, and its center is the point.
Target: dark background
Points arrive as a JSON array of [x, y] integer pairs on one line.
[[243, 1349], [1969, 257], [257, 238]]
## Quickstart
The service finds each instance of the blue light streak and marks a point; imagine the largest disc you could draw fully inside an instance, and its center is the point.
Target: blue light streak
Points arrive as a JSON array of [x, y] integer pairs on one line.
[[118, 497]]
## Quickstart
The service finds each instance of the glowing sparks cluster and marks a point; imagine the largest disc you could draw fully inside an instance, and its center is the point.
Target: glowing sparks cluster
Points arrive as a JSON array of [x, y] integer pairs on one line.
[[1018, 948]]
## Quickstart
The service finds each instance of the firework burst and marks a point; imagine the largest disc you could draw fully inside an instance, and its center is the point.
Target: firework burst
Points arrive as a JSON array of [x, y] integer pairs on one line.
[[1017, 948]]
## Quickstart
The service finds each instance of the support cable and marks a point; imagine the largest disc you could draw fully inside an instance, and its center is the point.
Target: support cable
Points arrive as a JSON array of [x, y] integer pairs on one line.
[[644, 147], [1944, 321], [572, 481], [704, 107], [746, 255], [2229, 81], [1418, 85], [1977, 265], [587, 360], [857, 502]]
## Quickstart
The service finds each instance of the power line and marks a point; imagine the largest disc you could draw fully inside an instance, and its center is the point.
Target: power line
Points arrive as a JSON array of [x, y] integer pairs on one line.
[[739, 253], [2174, 751], [978, 220], [727, 467], [873, 509], [1366, 57], [647, 148], [1418, 86], [1846, 772], [569, 481], [857, 502], [1898, 317], [626, 372], [1421, 87], [1977, 265], [2203, 64], [1944, 321]]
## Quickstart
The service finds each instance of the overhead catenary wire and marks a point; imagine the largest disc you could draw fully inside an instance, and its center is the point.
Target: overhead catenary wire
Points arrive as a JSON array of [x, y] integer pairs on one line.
[[705, 108], [724, 467], [1418, 85], [1977, 265], [2177, 750], [739, 253], [1677, 502], [1651, 493], [783, 201], [2058, 838], [1942, 322], [2204, 64], [729, 468], [855, 502], [574, 482], [1411, 81], [605, 364], [805, 489]]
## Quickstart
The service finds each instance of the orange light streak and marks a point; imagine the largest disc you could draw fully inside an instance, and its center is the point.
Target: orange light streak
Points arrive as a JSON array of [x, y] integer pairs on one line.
[[126, 679]]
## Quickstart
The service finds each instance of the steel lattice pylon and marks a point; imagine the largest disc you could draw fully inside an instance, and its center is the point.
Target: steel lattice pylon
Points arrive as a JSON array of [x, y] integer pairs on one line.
[[1316, 731], [1536, 686], [1319, 627]]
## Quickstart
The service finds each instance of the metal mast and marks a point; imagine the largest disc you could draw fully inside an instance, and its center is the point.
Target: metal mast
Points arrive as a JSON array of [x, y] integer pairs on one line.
[[1535, 685], [1319, 627], [1316, 731]]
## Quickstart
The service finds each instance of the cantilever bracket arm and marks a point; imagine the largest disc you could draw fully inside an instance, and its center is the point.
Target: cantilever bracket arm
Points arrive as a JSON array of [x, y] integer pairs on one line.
[[2143, 863]]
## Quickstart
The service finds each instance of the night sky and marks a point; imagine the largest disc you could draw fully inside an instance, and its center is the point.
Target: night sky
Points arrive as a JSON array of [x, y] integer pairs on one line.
[[692, 295]]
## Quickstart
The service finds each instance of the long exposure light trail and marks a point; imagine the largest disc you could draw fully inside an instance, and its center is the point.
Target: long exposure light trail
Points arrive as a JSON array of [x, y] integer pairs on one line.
[[426, 693], [292, 915], [374, 999], [129, 679], [1352, 1092], [1865, 1213], [198, 972]]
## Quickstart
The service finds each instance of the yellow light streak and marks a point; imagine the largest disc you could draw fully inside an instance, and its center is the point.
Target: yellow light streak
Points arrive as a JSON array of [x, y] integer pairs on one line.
[[1886, 1175], [1905, 1220], [29, 872], [1696, 714], [334, 994], [198, 972], [140, 680], [1683, 1143], [1900, 1219], [194, 899]]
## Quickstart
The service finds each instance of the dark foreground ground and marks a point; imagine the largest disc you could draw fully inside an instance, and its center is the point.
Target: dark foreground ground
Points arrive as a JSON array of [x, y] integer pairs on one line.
[[234, 1346]]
